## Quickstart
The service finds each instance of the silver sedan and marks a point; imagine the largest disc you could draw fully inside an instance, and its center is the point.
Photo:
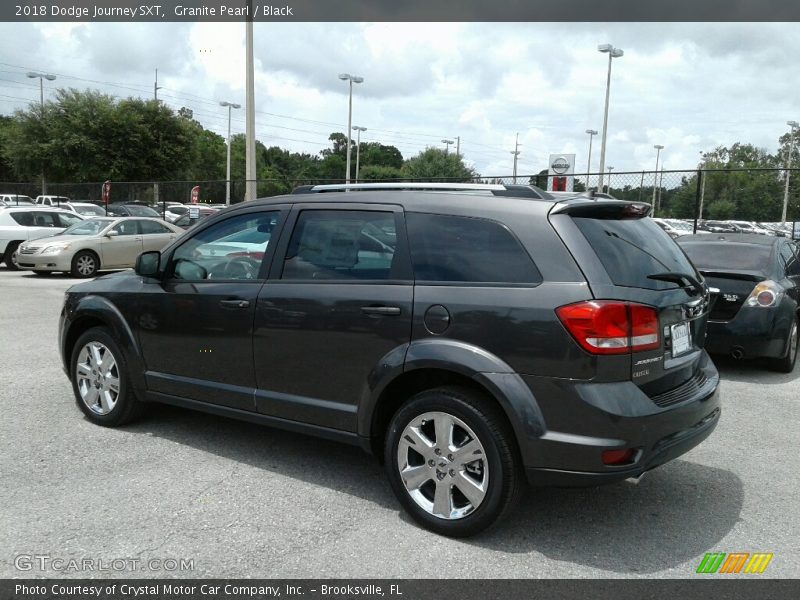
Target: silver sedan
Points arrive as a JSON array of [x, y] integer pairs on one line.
[[97, 244]]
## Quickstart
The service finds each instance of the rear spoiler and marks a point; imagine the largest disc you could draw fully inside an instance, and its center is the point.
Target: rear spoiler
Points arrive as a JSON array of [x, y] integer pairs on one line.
[[738, 275], [602, 209]]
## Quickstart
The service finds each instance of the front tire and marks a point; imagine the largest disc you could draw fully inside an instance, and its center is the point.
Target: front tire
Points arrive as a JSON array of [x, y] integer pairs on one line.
[[786, 364], [452, 462], [85, 264], [100, 380], [11, 256]]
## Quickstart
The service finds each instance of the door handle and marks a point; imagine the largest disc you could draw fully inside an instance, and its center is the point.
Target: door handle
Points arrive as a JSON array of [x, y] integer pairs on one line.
[[380, 310], [234, 303]]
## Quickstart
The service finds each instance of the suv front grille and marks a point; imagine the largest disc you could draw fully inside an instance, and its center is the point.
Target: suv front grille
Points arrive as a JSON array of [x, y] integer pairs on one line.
[[698, 385]]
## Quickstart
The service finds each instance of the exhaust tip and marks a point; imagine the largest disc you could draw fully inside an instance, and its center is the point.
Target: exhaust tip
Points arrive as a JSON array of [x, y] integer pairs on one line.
[[737, 353]]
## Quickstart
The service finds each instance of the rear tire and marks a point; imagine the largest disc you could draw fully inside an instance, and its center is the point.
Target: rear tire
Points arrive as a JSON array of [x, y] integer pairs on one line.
[[786, 364], [463, 483], [100, 380], [11, 256], [85, 264]]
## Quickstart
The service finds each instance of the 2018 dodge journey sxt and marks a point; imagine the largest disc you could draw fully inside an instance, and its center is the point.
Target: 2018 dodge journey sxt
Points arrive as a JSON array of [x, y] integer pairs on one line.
[[471, 336]]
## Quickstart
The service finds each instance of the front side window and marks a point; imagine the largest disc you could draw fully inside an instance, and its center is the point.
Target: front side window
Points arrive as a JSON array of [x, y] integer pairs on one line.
[[341, 245], [230, 249], [451, 249]]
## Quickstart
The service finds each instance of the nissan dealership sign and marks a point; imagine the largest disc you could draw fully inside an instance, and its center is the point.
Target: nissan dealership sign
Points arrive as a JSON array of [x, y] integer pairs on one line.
[[560, 174]]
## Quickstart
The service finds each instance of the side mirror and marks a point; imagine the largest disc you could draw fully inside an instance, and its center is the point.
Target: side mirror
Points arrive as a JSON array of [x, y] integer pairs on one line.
[[147, 264], [112, 233]]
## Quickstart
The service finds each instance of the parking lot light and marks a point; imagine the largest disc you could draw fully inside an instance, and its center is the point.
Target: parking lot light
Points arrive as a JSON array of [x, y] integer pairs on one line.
[[592, 133], [230, 105], [658, 148], [351, 79], [612, 53]]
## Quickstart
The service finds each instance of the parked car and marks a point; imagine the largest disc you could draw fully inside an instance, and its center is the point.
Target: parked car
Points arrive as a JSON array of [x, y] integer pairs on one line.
[[175, 211], [751, 227], [19, 224], [48, 200], [186, 221], [669, 227], [470, 338], [85, 209], [15, 200], [96, 244], [756, 310], [132, 210]]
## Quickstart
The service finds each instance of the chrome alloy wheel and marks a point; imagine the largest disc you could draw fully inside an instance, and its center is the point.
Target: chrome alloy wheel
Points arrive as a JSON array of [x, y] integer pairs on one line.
[[98, 378], [85, 264], [443, 465]]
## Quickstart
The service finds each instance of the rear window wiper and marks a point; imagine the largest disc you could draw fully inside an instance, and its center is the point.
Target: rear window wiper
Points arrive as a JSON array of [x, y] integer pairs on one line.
[[682, 279]]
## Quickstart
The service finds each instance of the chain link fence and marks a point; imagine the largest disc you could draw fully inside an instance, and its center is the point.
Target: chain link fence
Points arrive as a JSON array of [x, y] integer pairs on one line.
[[727, 194]]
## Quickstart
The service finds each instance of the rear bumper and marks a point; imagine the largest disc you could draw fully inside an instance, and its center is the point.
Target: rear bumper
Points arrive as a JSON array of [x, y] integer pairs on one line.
[[585, 419], [756, 332]]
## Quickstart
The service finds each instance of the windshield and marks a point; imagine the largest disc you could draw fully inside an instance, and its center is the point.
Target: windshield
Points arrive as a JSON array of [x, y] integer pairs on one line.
[[89, 227], [728, 256]]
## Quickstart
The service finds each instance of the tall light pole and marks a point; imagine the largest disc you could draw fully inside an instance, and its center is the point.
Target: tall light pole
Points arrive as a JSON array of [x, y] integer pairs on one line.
[[230, 105], [515, 152], [609, 179], [793, 125], [447, 146], [658, 148], [591, 133], [358, 146], [352, 79], [250, 175], [612, 53], [42, 77]]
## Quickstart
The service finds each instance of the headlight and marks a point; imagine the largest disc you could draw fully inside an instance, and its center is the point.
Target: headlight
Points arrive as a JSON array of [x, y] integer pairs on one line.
[[54, 249], [765, 294]]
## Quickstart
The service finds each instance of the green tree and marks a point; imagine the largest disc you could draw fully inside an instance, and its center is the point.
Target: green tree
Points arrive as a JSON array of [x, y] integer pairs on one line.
[[378, 172], [434, 163]]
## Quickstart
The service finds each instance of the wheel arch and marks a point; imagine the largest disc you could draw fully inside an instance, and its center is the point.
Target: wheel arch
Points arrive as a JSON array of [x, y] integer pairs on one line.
[[434, 363], [95, 311]]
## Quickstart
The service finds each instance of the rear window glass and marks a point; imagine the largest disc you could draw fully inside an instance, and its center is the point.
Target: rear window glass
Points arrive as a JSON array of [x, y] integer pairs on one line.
[[141, 211], [729, 256], [632, 249], [463, 249]]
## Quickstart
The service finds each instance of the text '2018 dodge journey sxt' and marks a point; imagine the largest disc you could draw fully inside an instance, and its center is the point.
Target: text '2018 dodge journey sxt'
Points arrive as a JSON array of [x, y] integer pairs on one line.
[[470, 336]]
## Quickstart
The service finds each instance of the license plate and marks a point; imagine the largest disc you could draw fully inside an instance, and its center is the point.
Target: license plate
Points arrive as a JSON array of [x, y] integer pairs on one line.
[[681, 341]]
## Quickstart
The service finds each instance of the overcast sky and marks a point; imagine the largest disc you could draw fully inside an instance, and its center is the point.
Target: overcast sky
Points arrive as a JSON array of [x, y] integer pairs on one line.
[[689, 87]]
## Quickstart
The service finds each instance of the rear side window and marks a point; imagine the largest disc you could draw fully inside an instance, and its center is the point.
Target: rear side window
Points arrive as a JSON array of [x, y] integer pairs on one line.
[[23, 218], [342, 244], [447, 248], [632, 249], [148, 227]]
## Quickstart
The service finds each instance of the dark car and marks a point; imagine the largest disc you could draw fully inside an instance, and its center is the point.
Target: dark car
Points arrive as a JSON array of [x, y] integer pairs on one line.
[[469, 338], [756, 311], [132, 210]]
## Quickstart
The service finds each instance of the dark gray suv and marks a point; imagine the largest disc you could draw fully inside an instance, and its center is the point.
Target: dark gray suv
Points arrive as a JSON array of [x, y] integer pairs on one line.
[[470, 336]]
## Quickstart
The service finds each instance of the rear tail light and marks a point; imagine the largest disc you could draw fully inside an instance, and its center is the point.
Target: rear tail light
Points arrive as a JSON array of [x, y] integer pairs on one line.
[[765, 294], [611, 327]]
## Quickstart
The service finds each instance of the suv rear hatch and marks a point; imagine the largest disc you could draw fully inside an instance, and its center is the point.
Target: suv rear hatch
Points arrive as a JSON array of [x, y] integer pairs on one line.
[[629, 260]]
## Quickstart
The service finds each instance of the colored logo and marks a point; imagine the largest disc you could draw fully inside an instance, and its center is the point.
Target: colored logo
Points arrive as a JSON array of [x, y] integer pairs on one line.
[[734, 562]]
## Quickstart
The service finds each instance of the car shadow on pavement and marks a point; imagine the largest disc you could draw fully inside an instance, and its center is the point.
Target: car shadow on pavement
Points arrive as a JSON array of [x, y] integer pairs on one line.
[[676, 513], [751, 371]]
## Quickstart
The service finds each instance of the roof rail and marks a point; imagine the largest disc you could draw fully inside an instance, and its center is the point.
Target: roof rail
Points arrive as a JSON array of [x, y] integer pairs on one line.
[[399, 185], [523, 191]]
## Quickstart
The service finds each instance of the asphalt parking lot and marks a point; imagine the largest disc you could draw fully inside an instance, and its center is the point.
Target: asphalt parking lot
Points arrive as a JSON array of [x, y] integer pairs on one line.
[[246, 501]]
